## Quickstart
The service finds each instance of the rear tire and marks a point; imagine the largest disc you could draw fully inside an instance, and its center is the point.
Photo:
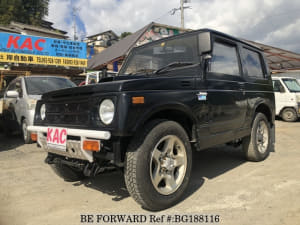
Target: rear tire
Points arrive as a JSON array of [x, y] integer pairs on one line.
[[289, 115], [158, 165], [257, 146], [67, 173]]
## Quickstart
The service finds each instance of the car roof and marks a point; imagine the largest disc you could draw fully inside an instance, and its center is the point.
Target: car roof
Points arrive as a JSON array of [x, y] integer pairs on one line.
[[201, 31], [277, 78]]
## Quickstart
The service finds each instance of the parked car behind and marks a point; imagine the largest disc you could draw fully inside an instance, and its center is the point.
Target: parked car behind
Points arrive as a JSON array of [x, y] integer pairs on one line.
[[20, 98], [287, 98]]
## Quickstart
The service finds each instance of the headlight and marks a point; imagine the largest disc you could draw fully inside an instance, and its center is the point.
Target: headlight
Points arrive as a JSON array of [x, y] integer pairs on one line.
[[43, 111], [298, 98], [31, 104], [107, 111]]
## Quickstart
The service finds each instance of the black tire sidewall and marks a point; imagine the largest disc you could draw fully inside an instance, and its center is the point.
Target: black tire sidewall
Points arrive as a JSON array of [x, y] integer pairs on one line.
[[152, 197]]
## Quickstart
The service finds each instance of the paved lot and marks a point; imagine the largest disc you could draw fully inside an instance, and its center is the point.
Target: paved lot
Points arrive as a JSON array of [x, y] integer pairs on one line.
[[222, 184]]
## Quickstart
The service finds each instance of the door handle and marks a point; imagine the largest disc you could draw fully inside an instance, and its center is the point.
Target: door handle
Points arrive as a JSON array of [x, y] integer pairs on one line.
[[241, 86]]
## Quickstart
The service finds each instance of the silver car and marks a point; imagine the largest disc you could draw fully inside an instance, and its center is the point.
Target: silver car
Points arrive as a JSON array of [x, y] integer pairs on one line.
[[20, 99]]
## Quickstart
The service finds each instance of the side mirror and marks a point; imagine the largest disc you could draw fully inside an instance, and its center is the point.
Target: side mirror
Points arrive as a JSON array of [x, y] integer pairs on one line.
[[12, 94], [204, 43]]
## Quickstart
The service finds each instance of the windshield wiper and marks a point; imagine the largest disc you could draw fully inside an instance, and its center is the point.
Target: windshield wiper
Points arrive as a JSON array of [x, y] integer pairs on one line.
[[146, 71], [173, 65]]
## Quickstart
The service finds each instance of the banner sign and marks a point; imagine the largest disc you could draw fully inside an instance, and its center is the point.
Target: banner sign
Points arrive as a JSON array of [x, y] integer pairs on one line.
[[40, 50]]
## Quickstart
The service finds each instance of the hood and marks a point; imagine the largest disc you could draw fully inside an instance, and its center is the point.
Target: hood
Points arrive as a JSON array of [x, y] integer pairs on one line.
[[125, 83], [35, 97]]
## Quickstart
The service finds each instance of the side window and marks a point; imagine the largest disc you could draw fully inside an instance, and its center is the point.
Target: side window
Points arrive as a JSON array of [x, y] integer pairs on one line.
[[277, 86], [224, 59], [19, 88], [253, 63], [12, 86]]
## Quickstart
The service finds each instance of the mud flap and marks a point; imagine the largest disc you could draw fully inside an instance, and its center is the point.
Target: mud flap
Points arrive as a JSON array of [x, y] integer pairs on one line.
[[272, 149]]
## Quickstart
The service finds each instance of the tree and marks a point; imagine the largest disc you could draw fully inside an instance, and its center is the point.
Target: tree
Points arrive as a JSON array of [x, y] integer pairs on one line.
[[124, 34], [25, 11]]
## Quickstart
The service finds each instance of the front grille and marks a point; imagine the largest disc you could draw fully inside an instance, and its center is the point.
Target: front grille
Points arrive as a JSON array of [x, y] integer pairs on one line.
[[68, 113]]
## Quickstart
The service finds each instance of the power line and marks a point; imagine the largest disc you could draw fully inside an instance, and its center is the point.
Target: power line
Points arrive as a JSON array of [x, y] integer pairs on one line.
[[174, 10], [163, 15]]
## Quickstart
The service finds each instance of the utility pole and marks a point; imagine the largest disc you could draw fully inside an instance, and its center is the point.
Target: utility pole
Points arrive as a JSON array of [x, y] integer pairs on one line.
[[182, 14], [181, 8], [74, 10]]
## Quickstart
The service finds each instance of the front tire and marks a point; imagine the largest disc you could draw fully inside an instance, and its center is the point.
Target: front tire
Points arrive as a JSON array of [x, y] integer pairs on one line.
[[289, 115], [158, 165], [25, 133], [257, 146]]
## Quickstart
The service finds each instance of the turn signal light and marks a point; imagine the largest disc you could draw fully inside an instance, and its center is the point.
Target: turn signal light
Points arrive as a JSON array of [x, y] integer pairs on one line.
[[138, 100], [33, 136], [91, 145]]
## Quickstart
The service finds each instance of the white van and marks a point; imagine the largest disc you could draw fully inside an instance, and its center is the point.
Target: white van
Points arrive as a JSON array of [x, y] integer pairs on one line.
[[95, 76], [287, 98]]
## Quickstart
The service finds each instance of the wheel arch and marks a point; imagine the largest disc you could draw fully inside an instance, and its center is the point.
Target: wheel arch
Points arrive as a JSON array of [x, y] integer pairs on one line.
[[179, 114], [22, 119], [265, 109]]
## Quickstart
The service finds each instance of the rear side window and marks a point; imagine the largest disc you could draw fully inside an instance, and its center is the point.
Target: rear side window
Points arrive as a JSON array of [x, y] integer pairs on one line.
[[253, 63], [224, 59]]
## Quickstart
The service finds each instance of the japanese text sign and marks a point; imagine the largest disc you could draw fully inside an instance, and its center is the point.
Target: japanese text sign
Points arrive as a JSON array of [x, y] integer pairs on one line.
[[40, 50]]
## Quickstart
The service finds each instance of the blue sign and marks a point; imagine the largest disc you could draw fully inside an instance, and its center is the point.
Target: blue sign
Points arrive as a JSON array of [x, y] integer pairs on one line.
[[33, 45]]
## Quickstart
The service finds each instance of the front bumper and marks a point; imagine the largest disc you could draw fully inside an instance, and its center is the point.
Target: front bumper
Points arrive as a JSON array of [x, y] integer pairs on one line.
[[29, 117], [74, 148]]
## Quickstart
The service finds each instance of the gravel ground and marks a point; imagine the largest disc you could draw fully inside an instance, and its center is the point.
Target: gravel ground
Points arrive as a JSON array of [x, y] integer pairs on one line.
[[222, 184]]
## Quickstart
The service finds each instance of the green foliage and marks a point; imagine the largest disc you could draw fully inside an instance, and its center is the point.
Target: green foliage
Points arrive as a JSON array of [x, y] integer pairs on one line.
[[124, 34], [25, 11]]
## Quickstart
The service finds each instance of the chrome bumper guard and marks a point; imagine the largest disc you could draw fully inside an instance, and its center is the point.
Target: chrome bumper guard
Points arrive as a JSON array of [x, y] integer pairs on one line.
[[74, 147]]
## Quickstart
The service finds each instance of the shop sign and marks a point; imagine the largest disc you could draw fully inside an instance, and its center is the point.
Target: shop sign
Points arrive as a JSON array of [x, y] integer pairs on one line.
[[17, 48]]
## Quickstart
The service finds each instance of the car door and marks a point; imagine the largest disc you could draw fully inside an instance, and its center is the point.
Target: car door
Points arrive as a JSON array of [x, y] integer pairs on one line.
[[20, 102], [225, 88]]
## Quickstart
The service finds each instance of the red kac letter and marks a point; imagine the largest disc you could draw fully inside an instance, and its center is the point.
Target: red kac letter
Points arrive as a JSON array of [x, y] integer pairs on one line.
[[13, 41], [36, 44]]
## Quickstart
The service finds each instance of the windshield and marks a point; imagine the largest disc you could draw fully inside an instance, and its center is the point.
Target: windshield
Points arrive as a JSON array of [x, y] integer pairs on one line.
[[292, 85], [154, 56], [41, 85]]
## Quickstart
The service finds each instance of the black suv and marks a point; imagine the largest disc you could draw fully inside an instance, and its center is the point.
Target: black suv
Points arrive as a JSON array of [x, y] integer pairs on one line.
[[173, 96]]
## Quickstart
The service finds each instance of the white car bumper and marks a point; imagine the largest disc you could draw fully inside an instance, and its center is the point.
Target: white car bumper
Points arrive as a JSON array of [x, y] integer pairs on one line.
[[74, 148]]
